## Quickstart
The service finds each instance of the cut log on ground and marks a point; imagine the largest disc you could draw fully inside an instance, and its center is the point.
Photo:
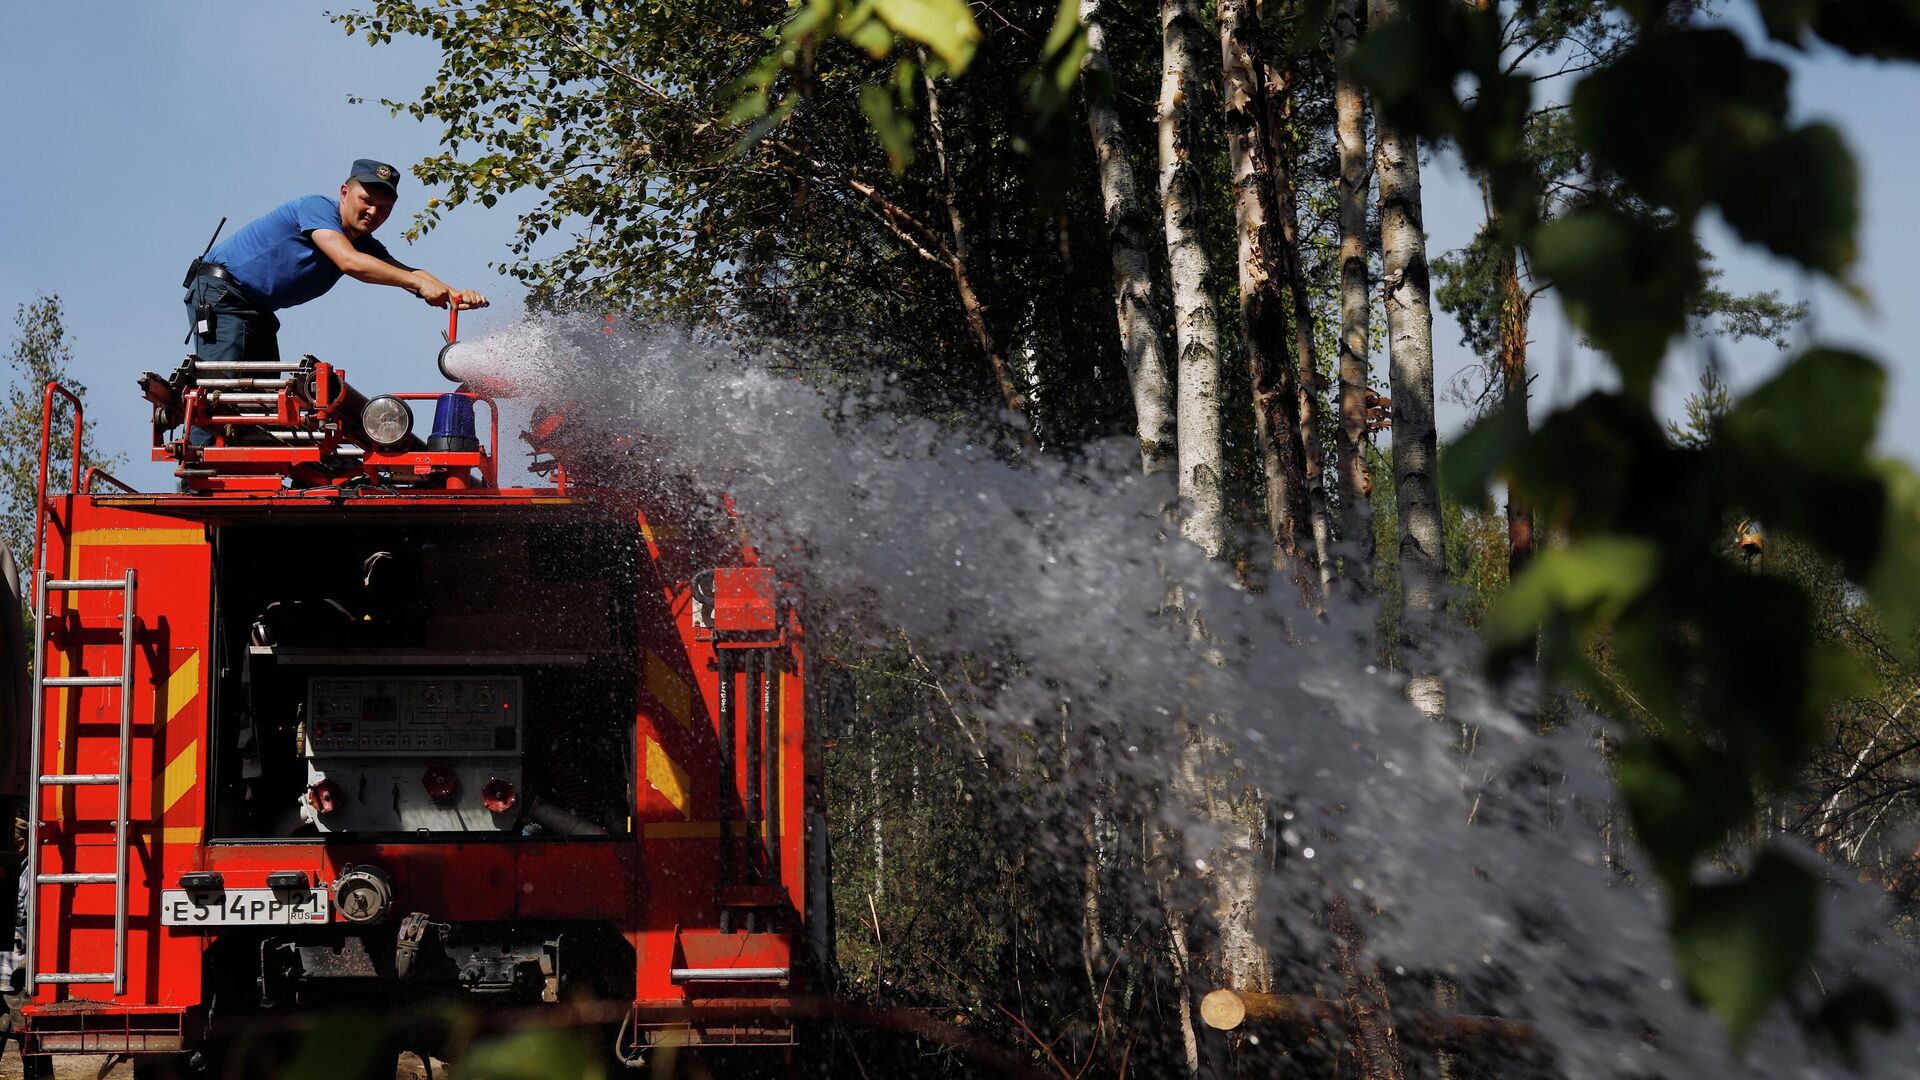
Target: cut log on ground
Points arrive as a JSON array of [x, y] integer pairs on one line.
[[1227, 1010]]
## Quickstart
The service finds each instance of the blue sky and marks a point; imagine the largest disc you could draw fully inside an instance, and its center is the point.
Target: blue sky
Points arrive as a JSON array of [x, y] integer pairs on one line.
[[133, 127]]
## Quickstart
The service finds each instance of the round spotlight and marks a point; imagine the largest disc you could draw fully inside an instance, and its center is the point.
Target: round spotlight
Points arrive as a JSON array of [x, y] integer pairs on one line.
[[387, 421]]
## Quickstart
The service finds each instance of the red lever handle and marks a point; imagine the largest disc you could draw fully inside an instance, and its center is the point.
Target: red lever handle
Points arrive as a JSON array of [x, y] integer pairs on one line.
[[453, 319]]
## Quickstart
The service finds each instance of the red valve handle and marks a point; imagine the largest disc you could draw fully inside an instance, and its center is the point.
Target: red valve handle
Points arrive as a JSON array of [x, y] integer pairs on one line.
[[440, 781], [453, 320]]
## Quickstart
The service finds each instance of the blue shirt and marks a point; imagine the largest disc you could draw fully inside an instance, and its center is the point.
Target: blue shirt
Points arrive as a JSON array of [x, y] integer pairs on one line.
[[274, 259]]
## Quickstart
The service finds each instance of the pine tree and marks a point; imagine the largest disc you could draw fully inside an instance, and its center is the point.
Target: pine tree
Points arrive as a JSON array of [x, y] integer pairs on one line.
[[40, 353]]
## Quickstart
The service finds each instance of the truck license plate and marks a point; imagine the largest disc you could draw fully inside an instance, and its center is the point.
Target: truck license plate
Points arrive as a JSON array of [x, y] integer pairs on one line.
[[243, 907]]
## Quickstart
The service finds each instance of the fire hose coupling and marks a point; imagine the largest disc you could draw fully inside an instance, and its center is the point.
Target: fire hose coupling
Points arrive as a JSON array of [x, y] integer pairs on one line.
[[362, 893]]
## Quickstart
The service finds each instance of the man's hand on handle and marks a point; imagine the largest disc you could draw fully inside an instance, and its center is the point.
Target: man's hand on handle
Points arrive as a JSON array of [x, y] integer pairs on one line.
[[440, 294]]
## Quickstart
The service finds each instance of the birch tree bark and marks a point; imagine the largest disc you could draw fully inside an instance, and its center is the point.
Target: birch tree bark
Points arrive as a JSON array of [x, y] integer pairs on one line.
[[1403, 245], [1350, 132], [1140, 331], [1276, 401], [1195, 331]]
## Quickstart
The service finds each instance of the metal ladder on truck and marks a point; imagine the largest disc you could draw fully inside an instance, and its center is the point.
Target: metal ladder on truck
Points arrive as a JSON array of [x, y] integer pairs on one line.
[[44, 586]]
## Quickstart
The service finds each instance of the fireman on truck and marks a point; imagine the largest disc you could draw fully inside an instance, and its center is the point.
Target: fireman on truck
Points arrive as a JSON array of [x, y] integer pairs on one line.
[[294, 254]]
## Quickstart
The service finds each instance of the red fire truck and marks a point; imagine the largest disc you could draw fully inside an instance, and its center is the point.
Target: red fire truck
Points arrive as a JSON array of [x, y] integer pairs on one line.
[[344, 719]]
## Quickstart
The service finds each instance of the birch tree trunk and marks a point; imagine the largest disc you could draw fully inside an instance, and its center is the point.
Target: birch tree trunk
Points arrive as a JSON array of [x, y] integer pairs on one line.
[[1403, 246], [1279, 100], [1195, 331], [1350, 128], [1276, 400], [1140, 331]]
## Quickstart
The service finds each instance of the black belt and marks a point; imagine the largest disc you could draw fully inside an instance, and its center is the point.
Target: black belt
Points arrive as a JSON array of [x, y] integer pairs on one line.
[[213, 270]]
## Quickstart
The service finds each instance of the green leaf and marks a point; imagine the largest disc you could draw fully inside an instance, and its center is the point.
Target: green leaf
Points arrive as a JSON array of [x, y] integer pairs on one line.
[[1884, 29], [904, 75], [531, 1055], [895, 131], [854, 18], [873, 36], [1625, 280], [1821, 409], [812, 17], [1593, 579], [1743, 944], [1653, 656], [339, 1044], [1893, 584], [1066, 26], [759, 129], [1683, 799], [1604, 465], [1786, 20], [1756, 669], [1853, 1005], [1674, 105], [945, 26], [1471, 462], [1051, 82], [1066, 64], [750, 106], [1796, 195]]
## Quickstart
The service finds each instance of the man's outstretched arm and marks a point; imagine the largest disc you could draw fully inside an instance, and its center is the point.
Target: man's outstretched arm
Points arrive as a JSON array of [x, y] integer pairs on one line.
[[373, 270]]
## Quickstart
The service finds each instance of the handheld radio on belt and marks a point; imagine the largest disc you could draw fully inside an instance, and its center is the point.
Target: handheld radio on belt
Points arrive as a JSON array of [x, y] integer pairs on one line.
[[203, 315]]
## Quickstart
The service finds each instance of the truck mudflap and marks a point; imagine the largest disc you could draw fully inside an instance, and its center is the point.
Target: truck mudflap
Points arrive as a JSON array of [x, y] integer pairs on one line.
[[94, 1027]]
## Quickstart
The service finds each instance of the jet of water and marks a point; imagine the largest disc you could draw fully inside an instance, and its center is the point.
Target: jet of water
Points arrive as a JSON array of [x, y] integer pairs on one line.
[[1489, 867]]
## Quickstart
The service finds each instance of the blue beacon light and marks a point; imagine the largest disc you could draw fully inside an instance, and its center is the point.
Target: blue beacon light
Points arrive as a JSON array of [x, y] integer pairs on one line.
[[453, 425]]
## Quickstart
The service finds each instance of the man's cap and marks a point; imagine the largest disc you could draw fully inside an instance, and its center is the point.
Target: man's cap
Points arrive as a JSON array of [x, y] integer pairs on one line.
[[369, 171]]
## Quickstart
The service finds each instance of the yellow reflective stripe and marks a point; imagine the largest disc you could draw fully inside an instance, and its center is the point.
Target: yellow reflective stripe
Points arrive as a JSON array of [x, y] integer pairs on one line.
[[180, 680], [182, 686], [669, 779], [669, 690], [181, 773], [139, 537]]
